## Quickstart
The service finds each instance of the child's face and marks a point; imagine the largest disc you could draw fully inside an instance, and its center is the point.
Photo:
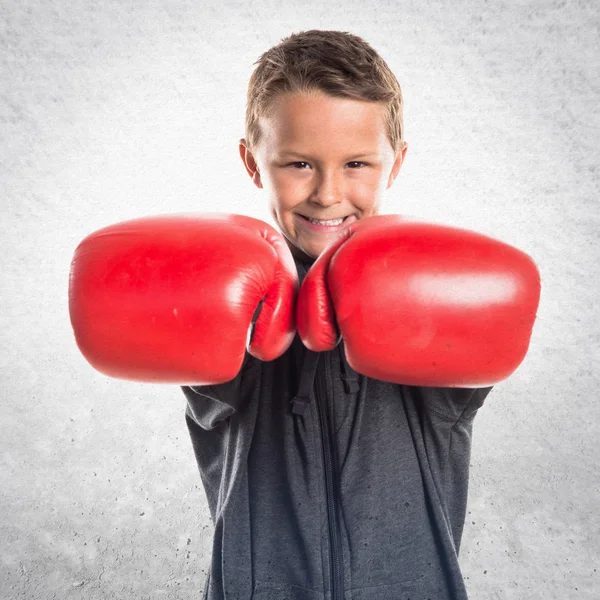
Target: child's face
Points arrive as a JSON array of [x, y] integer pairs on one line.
[[322, 158]]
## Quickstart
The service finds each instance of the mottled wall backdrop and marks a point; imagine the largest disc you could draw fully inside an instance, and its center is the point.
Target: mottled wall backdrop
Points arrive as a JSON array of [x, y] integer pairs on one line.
[[113, 110]]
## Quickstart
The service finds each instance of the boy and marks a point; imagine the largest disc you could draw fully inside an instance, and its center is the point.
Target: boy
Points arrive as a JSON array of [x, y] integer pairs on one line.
[[324, 482], [363, 496]]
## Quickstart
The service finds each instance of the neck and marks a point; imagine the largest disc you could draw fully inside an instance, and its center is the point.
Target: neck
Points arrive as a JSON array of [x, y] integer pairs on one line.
[[300, 254]]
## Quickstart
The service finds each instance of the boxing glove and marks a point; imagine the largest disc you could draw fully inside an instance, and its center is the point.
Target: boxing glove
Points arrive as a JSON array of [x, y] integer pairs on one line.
[[180, 298], [421, 304]]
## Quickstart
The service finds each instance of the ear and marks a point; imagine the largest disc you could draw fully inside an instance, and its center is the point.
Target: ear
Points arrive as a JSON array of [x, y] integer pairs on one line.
[[250, 163], [397, 164]]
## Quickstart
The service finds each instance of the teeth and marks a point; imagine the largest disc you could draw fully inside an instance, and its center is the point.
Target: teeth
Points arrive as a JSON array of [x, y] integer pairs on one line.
[[327, 223]]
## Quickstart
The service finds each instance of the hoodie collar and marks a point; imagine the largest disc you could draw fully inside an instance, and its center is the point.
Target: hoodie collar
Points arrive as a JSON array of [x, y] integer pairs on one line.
[[311, 361]]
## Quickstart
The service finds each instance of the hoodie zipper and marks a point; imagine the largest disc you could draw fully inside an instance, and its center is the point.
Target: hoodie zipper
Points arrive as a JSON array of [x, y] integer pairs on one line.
[[335, 546]]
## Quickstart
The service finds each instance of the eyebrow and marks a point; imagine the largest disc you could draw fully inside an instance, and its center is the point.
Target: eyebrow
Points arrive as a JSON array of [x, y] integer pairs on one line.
[[354, 156]]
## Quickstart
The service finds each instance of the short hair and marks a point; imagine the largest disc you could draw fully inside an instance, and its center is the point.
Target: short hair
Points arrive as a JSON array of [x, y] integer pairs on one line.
[[337, 63]]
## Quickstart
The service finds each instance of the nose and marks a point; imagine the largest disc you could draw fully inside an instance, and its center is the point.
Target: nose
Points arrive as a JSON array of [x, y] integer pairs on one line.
[[328, 190]]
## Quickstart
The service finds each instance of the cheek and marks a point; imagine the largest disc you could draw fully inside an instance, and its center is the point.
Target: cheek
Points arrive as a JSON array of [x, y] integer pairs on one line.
[[368, 190], [288, 191]]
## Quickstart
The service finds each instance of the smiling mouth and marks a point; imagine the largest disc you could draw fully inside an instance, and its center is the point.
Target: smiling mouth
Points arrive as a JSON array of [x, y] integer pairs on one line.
[[332, 222]]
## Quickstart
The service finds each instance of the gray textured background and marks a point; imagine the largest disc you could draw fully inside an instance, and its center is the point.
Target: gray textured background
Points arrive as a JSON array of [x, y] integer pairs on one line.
[[115, 110]]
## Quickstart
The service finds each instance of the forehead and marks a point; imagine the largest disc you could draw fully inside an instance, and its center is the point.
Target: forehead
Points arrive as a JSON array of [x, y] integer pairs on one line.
[[316, 117]]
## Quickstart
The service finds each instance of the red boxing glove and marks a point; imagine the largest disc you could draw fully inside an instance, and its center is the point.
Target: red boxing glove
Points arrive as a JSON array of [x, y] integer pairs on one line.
[[179, 298], [421, 304]]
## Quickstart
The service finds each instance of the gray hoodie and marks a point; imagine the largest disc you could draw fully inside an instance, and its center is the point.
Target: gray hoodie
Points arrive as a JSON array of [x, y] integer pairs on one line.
[[324, 484]]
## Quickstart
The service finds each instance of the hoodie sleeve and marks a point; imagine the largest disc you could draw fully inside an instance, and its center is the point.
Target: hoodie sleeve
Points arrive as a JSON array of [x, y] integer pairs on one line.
[[455, 404], [444, 416], [210, 405]]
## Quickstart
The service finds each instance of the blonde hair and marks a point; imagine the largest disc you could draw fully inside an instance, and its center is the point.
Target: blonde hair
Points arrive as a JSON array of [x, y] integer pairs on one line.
[[337, 63]]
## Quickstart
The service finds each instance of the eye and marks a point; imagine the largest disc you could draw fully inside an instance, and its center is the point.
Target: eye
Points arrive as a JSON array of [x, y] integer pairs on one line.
[[299, 165], [357, 164]]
